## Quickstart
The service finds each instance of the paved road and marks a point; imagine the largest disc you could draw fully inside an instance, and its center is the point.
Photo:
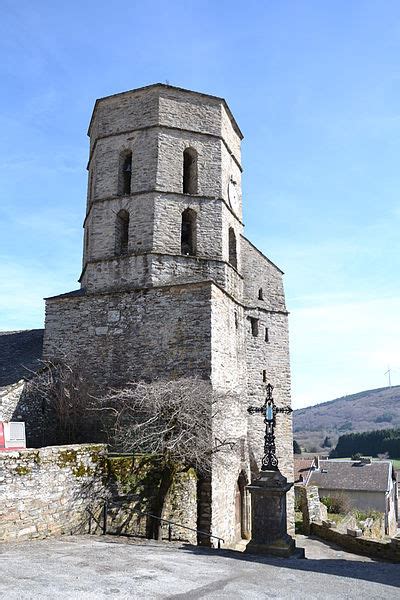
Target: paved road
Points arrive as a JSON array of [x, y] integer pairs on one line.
[[96, 568]]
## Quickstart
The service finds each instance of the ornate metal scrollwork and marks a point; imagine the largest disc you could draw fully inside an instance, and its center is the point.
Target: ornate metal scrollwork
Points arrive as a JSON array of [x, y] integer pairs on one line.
[[269, 412]]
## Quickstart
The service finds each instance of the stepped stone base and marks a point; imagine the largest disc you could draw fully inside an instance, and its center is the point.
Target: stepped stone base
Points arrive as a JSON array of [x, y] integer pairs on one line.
[[268, 508]]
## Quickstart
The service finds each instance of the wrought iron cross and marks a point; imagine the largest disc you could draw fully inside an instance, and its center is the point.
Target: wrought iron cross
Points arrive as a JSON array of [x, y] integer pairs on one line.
[[269, 411]]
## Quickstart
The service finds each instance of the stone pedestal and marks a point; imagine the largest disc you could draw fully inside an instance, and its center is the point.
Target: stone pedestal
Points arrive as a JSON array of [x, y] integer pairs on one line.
[[268, 515]]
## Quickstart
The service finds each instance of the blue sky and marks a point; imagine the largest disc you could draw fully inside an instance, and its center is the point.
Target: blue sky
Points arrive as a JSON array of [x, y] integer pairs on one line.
[[314, 86]]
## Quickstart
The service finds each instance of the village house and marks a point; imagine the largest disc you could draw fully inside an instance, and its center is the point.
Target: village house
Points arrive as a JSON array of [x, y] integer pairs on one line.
[[368, 485]]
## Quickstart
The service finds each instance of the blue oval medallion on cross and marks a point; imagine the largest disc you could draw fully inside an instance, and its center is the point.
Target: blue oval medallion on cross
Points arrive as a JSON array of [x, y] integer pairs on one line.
[[269, 412]]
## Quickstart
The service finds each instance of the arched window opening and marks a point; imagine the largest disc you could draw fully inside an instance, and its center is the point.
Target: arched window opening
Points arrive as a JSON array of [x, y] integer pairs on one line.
[[125, 174], [190, 171], [232, 248], [260, 294], [188, 232], [122, 232]]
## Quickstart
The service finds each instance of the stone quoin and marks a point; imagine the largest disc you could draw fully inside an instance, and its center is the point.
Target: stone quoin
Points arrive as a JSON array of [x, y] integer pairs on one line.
[[170, 286]]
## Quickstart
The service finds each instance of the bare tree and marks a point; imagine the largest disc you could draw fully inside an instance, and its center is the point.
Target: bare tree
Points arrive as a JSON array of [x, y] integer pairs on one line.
[[66, 404], [171, 419]]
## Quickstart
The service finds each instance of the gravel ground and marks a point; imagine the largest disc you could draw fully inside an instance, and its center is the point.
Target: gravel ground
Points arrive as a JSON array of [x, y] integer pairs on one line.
[[96, 568]]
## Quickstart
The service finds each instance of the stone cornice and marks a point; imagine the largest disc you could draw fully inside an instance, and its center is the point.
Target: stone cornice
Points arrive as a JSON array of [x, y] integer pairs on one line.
[[163, 193], [145, 253], [168, 128]]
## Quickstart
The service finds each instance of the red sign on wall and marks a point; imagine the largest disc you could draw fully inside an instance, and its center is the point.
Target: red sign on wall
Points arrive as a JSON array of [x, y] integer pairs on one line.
[[2, 441]]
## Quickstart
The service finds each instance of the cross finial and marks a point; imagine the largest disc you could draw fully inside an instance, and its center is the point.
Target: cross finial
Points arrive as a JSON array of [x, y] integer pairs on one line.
[[269, 411]]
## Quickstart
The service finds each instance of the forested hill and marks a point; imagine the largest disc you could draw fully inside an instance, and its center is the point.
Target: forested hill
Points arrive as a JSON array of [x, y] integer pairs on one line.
[[365, 411]]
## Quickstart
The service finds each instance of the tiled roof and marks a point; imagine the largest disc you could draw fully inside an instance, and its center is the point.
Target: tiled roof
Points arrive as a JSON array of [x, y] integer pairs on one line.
[[302, 468], [20, 353], [352, 475]]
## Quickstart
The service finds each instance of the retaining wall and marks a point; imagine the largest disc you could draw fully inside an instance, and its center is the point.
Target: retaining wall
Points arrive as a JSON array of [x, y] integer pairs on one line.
[[46, 492], [385, 550]]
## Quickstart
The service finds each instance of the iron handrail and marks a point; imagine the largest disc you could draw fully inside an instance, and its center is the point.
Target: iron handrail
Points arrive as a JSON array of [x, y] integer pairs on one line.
[[147, 514]]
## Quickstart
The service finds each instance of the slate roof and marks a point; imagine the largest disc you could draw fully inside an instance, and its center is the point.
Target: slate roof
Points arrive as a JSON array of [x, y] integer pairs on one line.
[[302, 469], [352, 475], [20, 353]]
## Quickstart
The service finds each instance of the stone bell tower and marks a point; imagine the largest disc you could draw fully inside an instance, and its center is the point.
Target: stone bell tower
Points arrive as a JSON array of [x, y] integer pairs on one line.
[[169, 285], [164, 191]]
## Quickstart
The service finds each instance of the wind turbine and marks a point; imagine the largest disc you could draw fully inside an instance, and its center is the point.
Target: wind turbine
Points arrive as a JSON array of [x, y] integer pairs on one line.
[[388, 372]]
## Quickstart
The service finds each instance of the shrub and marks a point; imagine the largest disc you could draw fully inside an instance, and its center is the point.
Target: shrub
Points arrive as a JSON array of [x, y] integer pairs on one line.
[[362, 515], [327, 443], [296, 447], [337, 504], [384, 418]]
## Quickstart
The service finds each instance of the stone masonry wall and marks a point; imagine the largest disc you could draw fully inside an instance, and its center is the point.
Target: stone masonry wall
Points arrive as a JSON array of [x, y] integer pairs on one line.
[[229, 423], [143, 334], [267, 358], [381, 550], [10, 397], [49, 491], [46, 492], [312, 509]]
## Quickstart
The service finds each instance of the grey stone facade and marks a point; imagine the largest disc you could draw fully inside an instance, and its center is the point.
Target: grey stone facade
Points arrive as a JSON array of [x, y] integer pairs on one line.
[[155, 310]]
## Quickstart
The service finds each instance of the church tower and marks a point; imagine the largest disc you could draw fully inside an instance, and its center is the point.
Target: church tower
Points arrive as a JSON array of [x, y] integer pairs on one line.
[[164, 195], [170, 287]]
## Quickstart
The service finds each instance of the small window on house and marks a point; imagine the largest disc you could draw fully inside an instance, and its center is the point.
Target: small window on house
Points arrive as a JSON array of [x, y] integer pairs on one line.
[[190, 171], [264, 376], [266, 337], [188, 232], [125, 174], [122, 232], [254, 326], [260, 294], [232, 248], [236, 320]]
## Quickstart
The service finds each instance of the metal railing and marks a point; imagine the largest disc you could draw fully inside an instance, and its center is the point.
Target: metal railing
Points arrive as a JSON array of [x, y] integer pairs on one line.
[[102, 523]]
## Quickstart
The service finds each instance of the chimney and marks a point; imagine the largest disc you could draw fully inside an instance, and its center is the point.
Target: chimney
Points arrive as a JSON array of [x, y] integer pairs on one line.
[[316, 461]]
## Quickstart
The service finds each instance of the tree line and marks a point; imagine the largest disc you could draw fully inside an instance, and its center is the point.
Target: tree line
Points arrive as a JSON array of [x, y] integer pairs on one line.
[[370, 443]]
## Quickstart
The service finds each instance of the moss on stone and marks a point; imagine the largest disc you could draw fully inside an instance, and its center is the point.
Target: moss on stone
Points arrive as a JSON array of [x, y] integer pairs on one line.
[[67, 458], [82, 471], [21, 470]]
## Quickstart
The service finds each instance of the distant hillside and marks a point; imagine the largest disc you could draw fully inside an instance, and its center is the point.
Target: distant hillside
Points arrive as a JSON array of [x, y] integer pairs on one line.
[[365, 411]]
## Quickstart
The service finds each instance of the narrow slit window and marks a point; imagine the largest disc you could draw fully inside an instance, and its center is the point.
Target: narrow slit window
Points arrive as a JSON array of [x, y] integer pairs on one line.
[[232, 248], [188, 232], [264, 376], [91, 190], [87, 241], [122, 232], [260, 294], [254, 326], [236, 320], [190, 171], [125, 175], [266, 336]]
